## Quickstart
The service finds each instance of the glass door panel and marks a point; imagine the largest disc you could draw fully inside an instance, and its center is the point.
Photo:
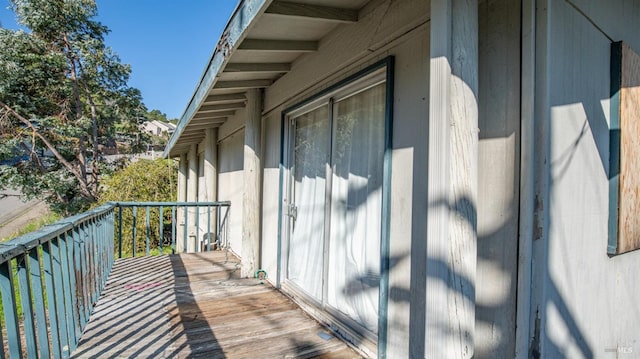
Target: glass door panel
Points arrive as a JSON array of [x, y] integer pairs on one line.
[[311, 158], [356, 206]]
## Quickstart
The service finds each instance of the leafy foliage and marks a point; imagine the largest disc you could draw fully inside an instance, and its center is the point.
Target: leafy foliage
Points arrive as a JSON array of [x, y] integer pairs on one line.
[[142, 181], [63, 98], [157, 115]]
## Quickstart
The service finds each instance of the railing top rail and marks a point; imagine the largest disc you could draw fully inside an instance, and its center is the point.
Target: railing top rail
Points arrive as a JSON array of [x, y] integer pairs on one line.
[[168, 204], [19, 245]]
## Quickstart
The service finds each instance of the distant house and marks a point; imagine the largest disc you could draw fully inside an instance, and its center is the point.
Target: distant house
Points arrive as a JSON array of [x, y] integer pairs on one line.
[[158, 128], [439, 179]]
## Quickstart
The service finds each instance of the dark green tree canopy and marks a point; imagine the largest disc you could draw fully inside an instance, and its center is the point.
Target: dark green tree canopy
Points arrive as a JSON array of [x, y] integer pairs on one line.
[[63, 97]]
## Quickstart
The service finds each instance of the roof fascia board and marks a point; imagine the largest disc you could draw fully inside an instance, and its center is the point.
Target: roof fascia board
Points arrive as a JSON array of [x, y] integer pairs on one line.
[[245, 15]]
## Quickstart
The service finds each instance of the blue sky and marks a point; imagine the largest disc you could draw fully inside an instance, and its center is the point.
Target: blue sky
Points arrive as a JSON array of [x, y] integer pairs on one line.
[[168, 43]]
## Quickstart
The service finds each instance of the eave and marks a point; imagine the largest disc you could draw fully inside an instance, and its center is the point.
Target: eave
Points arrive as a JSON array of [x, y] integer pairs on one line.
[[260, 44]]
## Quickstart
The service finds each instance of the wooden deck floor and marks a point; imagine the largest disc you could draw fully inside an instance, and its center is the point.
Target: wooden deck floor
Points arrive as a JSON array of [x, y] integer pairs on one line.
[[195, 305]]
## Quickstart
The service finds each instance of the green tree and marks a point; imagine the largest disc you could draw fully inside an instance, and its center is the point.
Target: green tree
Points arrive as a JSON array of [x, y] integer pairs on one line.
[[63, 94], [142, 181], [157, 115]]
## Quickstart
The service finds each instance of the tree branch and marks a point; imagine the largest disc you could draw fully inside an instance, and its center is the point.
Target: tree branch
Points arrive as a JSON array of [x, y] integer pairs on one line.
[[85, 190]]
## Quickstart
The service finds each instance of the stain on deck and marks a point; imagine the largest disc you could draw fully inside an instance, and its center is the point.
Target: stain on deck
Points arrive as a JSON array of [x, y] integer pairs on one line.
[[195, 305]]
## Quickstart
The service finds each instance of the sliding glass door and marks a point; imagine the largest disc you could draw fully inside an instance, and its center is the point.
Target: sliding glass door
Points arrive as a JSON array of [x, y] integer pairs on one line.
[[334, 199]]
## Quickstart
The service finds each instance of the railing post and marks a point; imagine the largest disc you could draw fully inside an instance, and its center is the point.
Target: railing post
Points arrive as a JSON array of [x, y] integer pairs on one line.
[[10, 311]]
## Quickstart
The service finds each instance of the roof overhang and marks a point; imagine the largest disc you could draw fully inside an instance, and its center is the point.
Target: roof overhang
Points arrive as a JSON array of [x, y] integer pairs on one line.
[[258, 46]]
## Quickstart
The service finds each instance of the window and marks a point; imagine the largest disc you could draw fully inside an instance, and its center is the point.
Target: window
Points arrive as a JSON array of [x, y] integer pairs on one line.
[[624, 183]]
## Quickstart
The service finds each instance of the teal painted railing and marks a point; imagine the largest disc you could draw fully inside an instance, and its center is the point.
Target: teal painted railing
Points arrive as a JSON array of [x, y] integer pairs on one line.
[[167, 227], [51, 279]]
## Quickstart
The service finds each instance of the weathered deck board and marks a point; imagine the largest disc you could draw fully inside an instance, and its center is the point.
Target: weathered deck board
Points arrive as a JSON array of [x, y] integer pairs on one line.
[[195, 305]]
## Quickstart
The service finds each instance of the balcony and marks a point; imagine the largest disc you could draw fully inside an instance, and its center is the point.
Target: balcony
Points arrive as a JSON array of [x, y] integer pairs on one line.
[[136, 280]]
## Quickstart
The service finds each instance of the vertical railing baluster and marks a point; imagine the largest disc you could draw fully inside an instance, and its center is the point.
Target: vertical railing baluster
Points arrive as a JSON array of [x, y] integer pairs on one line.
[[2, 352], [135, 218], [119, 232], [60, 296], [100, 237], [103, 252], [96, 260], [99, 254], [208, 228], [105, 246], [39, 303], [54, 323], [111, 235], [218, 220], [78, 270], [66, 290], [148, 228], [161, 228], [186, 226], [10, 309], [197, 239], [174, 223], [27, 307], [86, 270]]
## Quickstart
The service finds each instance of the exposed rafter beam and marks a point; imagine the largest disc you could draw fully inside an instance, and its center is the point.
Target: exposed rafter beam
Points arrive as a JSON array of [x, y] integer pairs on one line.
[[202, 126], [258, 67], [206, 116], [279, 45], [227, 98], [191, 137], [219, 108], [313, 11], [205, 122], [243, 84]]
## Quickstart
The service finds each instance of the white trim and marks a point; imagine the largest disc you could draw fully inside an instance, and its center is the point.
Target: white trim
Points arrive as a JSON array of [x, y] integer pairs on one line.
[[436, 313], [527, 177]]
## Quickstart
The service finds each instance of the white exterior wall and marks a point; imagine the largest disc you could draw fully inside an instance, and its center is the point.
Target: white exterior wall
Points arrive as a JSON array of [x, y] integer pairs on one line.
[[498, 178], [271, 127], [231, 183], [400, 30], [587, 301]]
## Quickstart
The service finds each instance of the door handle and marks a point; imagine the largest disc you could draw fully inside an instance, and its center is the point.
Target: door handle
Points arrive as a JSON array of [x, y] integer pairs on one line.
[[293, 211]]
